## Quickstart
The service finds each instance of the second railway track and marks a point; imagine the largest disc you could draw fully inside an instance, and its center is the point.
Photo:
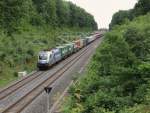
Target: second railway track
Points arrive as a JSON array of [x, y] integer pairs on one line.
[[7, 91], [19, 105]]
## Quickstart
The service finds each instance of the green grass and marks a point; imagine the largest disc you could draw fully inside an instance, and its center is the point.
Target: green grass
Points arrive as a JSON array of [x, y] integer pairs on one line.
[[19, 51]]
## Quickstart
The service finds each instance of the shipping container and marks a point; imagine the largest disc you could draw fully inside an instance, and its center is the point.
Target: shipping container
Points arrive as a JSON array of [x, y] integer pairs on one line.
[[64, 51], [70, 47], [90, 39], [85, 41], [77, 44], [81, 43]]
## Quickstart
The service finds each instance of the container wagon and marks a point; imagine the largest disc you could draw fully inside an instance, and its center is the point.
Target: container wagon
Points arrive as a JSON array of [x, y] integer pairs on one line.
[[64, 51], [47, 58], [70, 47], [90, 39], [85, 41], [77, 44]]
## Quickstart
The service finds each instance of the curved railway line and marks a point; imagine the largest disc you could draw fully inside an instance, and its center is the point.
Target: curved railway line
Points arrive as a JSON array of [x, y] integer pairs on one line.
[[7, 91], [25, 100], [19, 84]]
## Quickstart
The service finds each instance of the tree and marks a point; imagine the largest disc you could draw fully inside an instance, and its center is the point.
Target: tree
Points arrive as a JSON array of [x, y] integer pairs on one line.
[[138, 42], [61, 12], [1, 12], [15, 15], [51, 13], [119, 18], [15, 11], [142, 7], [73, 17]]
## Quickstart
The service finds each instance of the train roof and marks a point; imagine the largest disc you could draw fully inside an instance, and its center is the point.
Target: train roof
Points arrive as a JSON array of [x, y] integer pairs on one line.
[[45, 52]]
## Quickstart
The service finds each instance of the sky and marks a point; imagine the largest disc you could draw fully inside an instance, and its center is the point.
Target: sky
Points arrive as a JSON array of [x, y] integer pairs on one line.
[[103, 10]]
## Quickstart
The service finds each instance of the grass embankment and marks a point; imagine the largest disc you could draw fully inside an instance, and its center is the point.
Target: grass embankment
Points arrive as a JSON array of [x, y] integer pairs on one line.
[[118, 77], [19, 51], [27, 26]]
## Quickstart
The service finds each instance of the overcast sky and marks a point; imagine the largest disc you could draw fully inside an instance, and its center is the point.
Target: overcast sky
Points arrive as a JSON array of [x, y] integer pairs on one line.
[[102, 10]]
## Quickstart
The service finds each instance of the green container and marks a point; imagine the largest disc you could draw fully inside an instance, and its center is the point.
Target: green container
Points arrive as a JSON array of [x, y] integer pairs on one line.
[[64, 50], [70, 47]]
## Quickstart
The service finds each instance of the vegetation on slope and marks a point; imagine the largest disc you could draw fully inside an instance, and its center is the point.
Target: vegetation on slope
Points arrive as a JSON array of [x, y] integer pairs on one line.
[[16, 15], [19, 52], [118, 77], [142, 7], [28, 26]]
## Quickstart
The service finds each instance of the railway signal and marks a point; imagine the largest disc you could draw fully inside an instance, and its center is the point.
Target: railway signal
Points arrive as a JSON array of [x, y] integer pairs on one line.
[[48, 90]]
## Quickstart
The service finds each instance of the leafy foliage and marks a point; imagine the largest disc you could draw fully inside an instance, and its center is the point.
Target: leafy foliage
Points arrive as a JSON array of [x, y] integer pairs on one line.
[[117, 80], [120, 17], [27, 26], [142, 7], [18, 52], [16, 14]]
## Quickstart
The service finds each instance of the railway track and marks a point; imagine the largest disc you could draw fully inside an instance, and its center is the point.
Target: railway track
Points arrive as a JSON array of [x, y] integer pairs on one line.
[[7, 91], [22, 103]]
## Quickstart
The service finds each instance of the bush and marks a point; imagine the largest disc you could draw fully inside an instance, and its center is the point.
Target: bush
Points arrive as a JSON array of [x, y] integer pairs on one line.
[[118, 78]]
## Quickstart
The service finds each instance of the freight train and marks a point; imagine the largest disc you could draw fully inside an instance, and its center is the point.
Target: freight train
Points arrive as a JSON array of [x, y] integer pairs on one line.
[[47, 58]]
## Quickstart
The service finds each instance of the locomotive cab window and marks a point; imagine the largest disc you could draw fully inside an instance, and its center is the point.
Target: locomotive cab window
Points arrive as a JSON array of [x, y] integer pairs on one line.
[[43, 57]]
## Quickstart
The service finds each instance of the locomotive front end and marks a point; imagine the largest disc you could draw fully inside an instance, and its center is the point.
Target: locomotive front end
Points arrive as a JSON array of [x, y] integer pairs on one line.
[[43, 60]]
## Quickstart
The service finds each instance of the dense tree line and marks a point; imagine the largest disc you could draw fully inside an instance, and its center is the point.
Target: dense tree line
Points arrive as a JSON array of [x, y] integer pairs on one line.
[[117, 80], [142, 7], [54, 13], [118, 76], [28, 26], [120, 17]]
